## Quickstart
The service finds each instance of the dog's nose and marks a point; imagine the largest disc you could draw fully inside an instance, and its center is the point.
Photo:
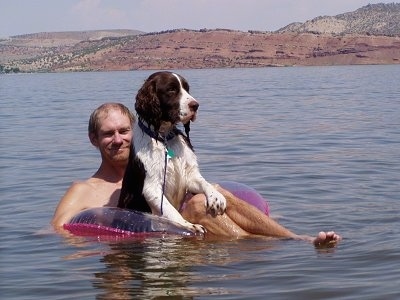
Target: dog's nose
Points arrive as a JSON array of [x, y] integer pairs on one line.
[[194, 105]]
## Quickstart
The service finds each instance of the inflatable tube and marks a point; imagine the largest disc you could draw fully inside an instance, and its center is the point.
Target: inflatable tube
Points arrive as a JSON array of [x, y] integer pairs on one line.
[[112, 221], [103, 221], [247, 194]]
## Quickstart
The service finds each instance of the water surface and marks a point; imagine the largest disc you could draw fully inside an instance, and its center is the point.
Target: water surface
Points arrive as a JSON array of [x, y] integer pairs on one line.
[[322, 144]]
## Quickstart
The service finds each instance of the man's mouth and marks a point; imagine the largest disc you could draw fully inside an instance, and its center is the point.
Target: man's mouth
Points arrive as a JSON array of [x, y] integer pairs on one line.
[[118, 149]]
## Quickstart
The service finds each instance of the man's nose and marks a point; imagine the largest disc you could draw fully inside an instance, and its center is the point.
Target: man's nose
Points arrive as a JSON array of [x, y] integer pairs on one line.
[[117, 138]]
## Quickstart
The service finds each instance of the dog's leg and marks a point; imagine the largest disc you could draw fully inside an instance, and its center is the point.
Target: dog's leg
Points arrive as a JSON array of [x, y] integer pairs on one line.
[[168, 210], [215, 201]]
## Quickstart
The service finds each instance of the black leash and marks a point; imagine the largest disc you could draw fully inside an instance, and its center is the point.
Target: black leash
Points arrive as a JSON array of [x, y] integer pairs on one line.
[[165, 176]]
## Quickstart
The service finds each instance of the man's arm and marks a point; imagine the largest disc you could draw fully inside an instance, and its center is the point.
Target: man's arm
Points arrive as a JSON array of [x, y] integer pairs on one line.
[[70, 204]]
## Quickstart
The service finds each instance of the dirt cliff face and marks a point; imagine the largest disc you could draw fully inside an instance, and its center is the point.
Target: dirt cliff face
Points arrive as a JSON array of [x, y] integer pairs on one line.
[[345, 39], [231, 49], [213, 49]]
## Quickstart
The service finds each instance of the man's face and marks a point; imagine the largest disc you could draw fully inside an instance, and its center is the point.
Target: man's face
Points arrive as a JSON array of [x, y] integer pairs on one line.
[[114, 137]]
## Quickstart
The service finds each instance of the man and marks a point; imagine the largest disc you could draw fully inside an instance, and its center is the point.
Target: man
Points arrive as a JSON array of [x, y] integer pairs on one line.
[[110, 130]]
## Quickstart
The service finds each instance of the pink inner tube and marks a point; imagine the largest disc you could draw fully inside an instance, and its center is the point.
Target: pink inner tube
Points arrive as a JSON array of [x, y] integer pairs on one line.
[[247, 194], [112, 221]]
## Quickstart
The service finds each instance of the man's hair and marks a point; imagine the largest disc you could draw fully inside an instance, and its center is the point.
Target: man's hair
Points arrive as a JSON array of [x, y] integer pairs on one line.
[[94, 120]]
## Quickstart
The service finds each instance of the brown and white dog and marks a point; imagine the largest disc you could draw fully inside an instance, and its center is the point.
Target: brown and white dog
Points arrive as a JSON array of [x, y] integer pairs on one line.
[[162, 166]]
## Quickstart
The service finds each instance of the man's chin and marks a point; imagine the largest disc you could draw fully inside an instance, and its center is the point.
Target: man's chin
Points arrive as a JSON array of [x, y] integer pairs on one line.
[[120, 160], [120, 155]]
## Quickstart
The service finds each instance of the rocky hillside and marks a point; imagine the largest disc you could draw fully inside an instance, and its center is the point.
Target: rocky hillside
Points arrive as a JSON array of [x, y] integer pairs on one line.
[[21, 50], [69, 38], [373, 19], [348, 38]]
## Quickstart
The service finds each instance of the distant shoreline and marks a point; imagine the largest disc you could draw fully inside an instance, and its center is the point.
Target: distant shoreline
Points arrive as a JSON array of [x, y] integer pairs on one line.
[[369, 35], [185, 49]]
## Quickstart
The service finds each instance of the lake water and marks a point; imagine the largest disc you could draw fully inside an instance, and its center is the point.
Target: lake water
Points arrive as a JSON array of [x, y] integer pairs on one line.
[[322, 144]]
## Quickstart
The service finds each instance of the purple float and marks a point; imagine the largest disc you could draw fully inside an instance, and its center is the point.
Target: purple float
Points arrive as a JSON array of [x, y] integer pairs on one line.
[[112, 221]]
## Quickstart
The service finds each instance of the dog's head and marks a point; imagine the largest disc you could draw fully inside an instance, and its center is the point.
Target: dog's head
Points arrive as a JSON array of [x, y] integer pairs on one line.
[[164, 97]]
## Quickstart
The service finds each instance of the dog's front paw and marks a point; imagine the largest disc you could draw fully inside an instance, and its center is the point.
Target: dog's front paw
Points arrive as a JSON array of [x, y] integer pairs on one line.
[[195, 228], [199, 228], [216, 203]]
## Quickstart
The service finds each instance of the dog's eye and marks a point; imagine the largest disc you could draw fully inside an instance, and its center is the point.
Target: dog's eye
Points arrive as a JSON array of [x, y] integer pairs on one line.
[[171, 91]]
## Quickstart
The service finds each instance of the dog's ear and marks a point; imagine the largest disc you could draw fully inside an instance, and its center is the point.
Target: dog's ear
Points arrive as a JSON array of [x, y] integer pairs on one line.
[[185, 137], [148, 105]]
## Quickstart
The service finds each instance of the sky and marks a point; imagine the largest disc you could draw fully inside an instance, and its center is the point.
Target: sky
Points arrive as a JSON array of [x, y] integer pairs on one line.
[[32, 16]]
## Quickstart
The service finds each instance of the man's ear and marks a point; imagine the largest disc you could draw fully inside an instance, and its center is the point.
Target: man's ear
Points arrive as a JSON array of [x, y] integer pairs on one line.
[[93, 139]]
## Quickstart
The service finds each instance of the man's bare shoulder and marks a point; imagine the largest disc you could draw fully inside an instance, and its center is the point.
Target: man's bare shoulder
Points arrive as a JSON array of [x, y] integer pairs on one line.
[[81, 186], [90, 191], [89, 184], [93, 192]]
